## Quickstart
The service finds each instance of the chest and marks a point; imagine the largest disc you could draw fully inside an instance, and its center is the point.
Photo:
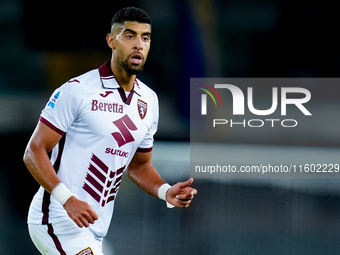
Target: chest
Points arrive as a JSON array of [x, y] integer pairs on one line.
[[105, 116]]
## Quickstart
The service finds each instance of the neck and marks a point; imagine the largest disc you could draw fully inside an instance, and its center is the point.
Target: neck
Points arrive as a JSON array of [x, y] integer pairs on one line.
[[124, 79]]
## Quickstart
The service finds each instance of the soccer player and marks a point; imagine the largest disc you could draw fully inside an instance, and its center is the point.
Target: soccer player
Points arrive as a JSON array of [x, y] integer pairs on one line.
[[97, 126]]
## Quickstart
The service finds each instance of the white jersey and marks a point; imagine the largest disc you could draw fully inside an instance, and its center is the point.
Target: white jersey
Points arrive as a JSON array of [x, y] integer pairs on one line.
[[102, 128]]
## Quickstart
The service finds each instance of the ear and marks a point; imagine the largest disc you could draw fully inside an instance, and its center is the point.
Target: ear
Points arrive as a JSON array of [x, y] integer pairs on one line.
[[110, 39]]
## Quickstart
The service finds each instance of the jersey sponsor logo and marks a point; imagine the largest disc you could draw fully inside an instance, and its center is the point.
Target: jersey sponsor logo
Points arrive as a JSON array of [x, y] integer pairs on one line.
[[101, 183], [142, 108], [119, 153], [86, 251], [124, 125], [54, 99], [106, 93], [106, 107]]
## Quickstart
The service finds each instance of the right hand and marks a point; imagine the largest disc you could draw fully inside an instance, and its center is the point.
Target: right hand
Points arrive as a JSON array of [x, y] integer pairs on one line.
[[181, 194], [80, 212]]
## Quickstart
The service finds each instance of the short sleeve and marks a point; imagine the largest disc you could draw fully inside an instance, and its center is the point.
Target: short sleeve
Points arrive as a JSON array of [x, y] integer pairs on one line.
[[147, 143], [63, 107]]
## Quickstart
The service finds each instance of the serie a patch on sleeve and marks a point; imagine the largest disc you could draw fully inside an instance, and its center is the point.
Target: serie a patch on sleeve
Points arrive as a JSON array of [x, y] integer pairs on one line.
[[86, 251], [54, 99]]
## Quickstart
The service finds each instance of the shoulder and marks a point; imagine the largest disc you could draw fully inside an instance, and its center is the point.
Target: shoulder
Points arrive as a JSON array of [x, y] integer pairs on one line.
[[73, 92], [79, 84], [146, 91], [86, 78]]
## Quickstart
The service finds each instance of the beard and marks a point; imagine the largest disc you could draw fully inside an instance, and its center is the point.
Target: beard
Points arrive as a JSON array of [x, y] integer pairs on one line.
[[130, 68]]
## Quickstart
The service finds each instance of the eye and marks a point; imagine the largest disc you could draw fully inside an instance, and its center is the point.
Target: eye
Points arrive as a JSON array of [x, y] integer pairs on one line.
[[146, 38], [129, 36]]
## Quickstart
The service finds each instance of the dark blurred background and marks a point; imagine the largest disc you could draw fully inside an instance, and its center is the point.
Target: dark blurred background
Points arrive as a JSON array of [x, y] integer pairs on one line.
[[43, 44]]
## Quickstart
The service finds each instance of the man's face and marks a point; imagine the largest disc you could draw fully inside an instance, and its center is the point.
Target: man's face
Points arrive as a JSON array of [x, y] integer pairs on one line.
[[131, 46]]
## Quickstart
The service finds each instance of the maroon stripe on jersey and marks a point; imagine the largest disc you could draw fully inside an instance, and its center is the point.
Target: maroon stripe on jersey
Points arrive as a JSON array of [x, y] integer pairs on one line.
[[111, 199], [91, 192], [119, 174], [100, 163], [55, 239], [96, 172], [56, 164], [51, 126], [126, 100], [120, 170], [144, 149], [47, 196], [97, 185], [46, 207]]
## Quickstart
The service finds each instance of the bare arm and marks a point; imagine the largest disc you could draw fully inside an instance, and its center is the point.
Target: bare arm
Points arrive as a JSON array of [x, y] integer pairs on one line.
[[39, 165], [143, 173], [36, 159]]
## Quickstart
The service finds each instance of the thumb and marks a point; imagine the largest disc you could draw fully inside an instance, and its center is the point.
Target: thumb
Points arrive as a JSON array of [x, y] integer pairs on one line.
[[186, 183]]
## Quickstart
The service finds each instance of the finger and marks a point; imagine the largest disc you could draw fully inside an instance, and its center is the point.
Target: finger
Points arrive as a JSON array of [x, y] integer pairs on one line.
[[180, 198], [84, 222], [183, 203], [184, 197], [89, 214], [89, 218], [78, 222], [93, 215], [186, 183], [187, 193], [193, 192]]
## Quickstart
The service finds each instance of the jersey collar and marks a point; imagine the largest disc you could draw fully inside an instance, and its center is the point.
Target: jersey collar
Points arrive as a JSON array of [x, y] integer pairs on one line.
[[109, 81]]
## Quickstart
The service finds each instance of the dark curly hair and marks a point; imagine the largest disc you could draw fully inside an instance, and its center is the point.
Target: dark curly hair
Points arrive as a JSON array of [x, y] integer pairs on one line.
[[131, 14]]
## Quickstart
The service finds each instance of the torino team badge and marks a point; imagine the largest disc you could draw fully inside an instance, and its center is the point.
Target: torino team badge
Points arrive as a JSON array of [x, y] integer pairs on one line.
[[142, 108]]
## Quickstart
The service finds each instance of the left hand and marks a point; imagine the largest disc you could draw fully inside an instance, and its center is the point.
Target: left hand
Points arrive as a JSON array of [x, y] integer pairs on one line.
[[181, 194]]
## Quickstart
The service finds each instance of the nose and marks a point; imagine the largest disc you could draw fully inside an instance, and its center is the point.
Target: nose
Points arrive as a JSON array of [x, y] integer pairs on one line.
[[138, 44]]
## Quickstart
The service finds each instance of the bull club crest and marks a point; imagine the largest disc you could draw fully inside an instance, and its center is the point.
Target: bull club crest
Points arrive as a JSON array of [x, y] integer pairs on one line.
[[142, 108]]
